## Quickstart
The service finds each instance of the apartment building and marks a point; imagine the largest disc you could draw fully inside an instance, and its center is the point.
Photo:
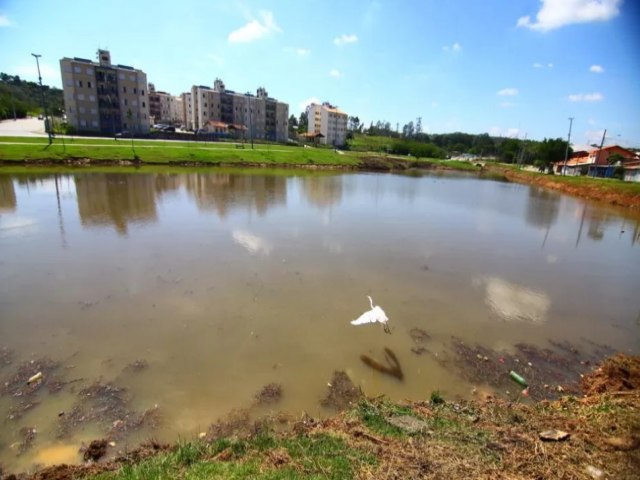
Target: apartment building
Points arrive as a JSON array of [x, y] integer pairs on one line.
[[100, 97], [164, 107], [187, 111], [259, 116], [329, 121]]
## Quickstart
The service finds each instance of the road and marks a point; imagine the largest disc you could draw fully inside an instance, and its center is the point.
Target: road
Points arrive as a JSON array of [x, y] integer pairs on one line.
[[24, 127]]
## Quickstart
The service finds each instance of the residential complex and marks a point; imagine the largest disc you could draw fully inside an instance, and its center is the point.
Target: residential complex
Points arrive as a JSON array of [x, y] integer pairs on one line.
[[328, 121], [104, 98], [224, 111], [164, 107]]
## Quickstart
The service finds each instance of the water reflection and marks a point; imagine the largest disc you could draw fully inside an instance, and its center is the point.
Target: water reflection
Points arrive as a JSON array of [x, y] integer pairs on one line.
[[253, 243], [221, 192], [513, 302], [543, 207], [322, 191], [115, 199], [7, 195]]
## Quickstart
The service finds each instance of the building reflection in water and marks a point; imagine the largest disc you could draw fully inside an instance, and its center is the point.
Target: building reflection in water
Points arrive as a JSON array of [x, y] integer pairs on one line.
[[8, 201], [223, 192], [322, 191], [116, 199]]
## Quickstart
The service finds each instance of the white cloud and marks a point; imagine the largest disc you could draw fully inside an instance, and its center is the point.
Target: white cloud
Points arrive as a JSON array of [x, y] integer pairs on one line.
[[252, 243], [5, 22], [302, 52], [305, 103], [558, 13], [508, 92], [540, 65], [335, 73], [456, 47], [507, 104], [596, 69], [255, 29], [30, 72], [586, 97], [344, 39], [504, 132]]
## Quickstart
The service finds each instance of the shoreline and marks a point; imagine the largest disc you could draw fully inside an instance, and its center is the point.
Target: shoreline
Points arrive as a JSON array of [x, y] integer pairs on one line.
[[595, 434]]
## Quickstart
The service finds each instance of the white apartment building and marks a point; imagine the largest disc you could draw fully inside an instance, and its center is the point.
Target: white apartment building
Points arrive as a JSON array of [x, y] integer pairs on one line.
[[104, 98], [329, 121], [187, 111], [260, 116]]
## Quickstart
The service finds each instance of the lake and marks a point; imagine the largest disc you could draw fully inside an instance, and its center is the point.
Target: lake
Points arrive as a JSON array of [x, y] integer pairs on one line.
[[194, 289]]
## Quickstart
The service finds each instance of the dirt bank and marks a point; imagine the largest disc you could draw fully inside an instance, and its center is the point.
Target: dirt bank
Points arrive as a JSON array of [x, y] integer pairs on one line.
[[612, 192], [590, 436]]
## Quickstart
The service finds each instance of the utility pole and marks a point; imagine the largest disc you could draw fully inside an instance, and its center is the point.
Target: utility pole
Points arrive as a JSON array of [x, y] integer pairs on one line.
[[566, 153], [601, 145], [47, 126]]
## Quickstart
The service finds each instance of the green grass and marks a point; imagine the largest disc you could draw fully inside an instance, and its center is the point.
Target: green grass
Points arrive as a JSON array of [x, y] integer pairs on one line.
[[317, 456], [161, 152]]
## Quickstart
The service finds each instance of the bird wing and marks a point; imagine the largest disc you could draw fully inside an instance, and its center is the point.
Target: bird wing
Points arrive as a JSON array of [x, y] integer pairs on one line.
[[366, 317]]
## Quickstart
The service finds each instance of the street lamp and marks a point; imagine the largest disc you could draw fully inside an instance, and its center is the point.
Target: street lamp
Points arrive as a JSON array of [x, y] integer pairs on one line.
[[47, 126]]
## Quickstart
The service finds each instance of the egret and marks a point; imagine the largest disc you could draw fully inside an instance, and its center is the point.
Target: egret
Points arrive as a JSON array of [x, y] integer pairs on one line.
[[376, 314]]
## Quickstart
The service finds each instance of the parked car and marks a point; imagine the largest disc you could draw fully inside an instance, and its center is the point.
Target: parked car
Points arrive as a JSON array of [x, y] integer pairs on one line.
[[123, 134]]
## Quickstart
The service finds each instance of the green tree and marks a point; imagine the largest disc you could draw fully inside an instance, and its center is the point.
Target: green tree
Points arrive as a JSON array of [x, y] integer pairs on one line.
[[293, 126], [303, 123]]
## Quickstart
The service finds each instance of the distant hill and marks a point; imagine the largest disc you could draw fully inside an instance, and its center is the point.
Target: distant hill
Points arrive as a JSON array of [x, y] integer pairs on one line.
[[25, 97]]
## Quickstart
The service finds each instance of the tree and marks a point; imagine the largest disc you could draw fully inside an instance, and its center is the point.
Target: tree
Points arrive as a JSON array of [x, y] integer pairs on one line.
[[303, 123], [354, 124], [293, 126], [418, 126], [615, 158], [550, 150]]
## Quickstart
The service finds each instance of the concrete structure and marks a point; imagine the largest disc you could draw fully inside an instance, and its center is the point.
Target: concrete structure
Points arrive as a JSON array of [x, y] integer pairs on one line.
[[103, 98], [260, 116], [327, 120]]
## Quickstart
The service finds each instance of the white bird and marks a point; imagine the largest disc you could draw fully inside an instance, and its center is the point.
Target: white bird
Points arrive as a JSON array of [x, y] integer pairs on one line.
[[376, 314]]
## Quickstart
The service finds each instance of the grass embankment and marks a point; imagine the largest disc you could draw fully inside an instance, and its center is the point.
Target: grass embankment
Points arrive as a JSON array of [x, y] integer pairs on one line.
[[611, 191], [81, 151], [377, 439]]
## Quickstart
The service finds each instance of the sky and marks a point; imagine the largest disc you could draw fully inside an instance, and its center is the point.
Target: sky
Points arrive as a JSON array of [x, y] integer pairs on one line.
[[505, 67]]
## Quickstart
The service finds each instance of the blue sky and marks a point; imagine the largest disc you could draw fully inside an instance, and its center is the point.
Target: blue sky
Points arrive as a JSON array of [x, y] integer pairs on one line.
[[510, 67]]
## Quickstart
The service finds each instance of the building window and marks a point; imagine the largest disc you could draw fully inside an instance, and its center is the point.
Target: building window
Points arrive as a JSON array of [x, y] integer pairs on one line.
[[135, 90], [132, 78], [94, 111], [124, 89], [88, 84], [121, 76], [144, 105], [89, 71], [83, 123], [77, 69], [79, 83], [94, 123], [134, 103], [142, 92], [125, 102], [81, 96], [92, 98], [124, 125]]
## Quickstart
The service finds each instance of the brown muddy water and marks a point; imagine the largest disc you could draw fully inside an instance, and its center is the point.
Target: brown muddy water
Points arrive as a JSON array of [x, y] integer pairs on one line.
[[154, 304]]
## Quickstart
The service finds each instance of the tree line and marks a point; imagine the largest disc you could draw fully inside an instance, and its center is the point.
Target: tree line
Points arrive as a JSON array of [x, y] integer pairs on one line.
[[412, 139], [20, 97]]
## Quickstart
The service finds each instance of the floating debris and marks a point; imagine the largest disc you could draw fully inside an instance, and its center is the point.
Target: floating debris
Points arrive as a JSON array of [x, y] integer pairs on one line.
[[24, 382], [6, 357], [342, 392], [269, 394], [95, 451], [393, 365], [419, 336], [137, 366], [28, 435]]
